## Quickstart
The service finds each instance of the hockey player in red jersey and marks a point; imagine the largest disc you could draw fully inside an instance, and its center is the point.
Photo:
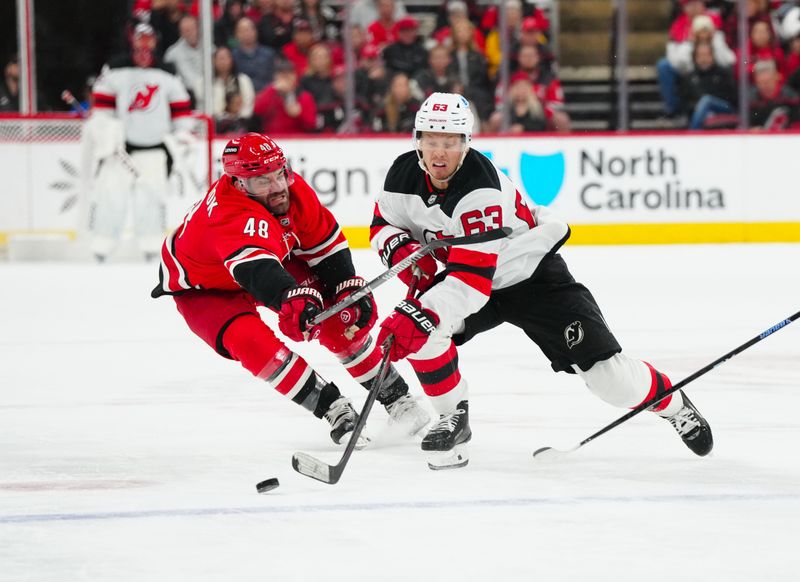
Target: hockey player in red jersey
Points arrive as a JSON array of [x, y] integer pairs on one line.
[[444, 188], [261, 237]]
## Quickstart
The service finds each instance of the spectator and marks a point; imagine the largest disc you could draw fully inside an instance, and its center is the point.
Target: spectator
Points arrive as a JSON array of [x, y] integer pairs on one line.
[[546, 85], [679, 59], [491, 19], [331, 115], [231, 121], [282, 107], [440, 76], [164, 18], [381, 32], [9, 89], [321, 18], [317, 79], [530, 32], [469, 65], [228, 80], [358, 39], [259, 9], [275, 30], [475, 13], [225, 27], [187, 55], [298, 49], [253, 59], [457, 11], [681, 29], [407, 55], [680, 55], [757, 10], [526, 113], [763, 46], [494, 55], [399, 107], [772, 106], [372, 80], [709, 89], [365, 12]]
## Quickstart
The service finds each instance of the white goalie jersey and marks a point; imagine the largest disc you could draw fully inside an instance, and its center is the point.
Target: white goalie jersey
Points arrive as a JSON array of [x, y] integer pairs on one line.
[[479, 198], [149, 101]]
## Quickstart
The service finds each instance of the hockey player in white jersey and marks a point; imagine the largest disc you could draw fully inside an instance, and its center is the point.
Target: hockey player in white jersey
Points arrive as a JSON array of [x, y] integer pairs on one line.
[[137, 106], [444, 188]]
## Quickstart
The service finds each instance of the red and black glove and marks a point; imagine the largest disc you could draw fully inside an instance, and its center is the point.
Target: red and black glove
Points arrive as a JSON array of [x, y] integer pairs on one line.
[[363, 313], [298, 306], [398, 248], [411, 325]]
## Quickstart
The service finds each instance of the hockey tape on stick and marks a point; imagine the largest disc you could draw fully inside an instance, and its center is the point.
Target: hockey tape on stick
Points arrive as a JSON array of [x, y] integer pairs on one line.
[[550, 452], [471, 239]]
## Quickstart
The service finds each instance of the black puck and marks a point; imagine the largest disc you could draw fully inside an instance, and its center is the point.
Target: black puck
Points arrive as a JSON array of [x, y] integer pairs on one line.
[[267, 485]]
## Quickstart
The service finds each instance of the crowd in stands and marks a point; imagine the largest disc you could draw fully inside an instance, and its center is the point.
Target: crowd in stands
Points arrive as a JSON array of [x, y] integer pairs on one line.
[[699, 75], [279, 64]]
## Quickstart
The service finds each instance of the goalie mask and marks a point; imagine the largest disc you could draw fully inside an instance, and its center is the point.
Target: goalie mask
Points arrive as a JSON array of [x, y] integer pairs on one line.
[[444, 113]]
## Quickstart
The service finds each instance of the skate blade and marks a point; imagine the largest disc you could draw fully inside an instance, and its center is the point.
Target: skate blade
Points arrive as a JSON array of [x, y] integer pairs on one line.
[[455, 458], [362, 442]]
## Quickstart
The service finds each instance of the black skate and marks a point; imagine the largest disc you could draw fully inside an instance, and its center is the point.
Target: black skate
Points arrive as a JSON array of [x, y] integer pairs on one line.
[[343, 418], [692, 428], [445, 441]]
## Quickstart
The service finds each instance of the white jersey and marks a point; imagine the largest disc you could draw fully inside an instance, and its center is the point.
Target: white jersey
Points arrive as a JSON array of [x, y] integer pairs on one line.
[[147, 100], [479, 197]]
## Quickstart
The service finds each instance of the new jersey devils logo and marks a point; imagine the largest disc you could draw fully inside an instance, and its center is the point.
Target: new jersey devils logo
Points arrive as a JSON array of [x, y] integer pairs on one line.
[[573, 333], [143, 98]]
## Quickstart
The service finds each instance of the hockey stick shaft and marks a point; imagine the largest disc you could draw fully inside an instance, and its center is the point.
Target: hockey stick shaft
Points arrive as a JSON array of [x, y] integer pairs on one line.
[[311, 467], [702, 371], [481, 237]]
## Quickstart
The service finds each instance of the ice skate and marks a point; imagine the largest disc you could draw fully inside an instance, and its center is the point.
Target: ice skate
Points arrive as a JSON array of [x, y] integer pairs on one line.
[[407, 413], [692, 428], [446, 441], [343, 418]]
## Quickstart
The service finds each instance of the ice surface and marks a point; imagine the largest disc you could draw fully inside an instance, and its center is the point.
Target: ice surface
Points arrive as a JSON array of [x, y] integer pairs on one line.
[[130, 452]]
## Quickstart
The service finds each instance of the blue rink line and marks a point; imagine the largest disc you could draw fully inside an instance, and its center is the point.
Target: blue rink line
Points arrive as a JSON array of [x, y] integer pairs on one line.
[[397, 505]]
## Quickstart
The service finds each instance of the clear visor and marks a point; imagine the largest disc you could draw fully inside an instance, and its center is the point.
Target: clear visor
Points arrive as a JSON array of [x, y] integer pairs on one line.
[[454, 142], [271, 183]]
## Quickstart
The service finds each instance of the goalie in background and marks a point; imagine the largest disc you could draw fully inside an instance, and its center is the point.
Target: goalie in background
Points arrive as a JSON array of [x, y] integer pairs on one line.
[[138, 106]]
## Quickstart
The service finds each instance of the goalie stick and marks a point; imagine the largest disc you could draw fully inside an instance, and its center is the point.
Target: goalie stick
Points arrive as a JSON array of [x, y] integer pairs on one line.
[[470, 239], [312, 467], [551, 453]]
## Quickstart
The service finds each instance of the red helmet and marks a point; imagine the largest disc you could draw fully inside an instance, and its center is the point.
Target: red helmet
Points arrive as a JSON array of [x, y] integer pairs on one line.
[[254, 154]]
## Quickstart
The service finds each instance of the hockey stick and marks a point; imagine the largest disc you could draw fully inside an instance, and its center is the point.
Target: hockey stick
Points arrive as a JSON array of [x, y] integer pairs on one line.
[[480, 237], [312, 467], [550, 453]]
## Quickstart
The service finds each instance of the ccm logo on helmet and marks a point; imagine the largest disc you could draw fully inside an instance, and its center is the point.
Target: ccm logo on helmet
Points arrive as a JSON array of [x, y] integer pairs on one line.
[[231, 150], [440, 107]]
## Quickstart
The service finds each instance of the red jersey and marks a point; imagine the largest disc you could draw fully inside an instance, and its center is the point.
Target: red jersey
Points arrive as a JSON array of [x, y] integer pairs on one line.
[[228, 229]]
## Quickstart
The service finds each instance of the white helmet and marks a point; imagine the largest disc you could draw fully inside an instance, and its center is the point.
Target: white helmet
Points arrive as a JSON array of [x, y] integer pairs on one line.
[[445, 113]]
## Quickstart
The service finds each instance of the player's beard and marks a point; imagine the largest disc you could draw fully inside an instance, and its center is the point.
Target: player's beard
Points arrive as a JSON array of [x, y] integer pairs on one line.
[[277, 203]]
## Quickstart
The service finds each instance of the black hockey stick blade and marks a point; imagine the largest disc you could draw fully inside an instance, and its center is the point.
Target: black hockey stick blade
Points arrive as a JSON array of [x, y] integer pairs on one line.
[[312, 467], [472, 239], [550, 453]]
